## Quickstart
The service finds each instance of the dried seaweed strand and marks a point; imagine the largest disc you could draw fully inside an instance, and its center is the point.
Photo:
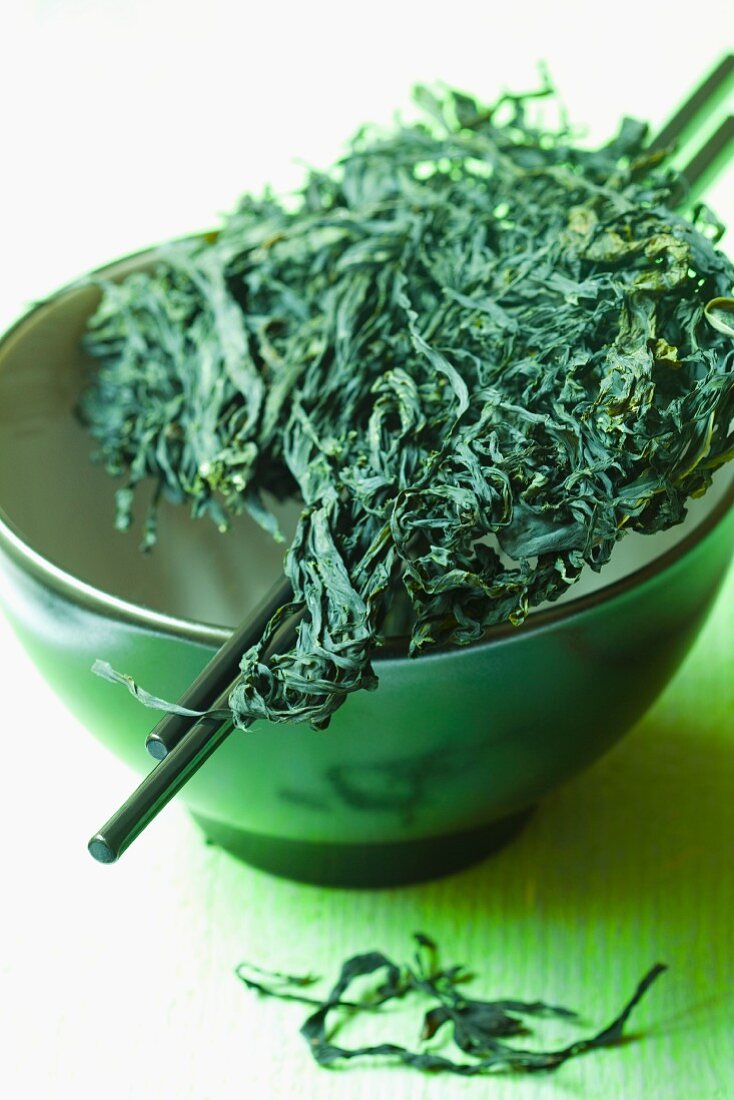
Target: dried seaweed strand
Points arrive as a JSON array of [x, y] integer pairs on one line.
[[479, 1027], [476, 353]]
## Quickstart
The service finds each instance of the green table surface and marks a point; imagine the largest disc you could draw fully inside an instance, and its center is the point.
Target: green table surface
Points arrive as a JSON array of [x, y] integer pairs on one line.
[[117, 979], [118, 982]]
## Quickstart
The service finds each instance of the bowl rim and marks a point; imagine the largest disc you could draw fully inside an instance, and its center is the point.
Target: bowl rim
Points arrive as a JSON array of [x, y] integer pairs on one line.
[[99, 602]]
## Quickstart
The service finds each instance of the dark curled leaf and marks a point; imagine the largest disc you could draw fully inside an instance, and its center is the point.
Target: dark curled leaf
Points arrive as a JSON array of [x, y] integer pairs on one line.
[[281, 983], [434, 1019], [372, 961], [475, 353], [479, 1027]]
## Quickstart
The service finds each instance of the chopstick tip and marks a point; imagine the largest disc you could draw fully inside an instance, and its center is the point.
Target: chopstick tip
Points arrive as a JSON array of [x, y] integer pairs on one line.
[[100, 850], [156, 748]]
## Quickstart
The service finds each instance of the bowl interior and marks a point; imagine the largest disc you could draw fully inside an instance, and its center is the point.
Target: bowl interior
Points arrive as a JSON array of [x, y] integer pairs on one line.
[[62, 505]]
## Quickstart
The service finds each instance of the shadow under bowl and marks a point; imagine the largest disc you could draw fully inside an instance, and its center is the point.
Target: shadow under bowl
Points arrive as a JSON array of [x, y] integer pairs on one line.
[[438, 766]]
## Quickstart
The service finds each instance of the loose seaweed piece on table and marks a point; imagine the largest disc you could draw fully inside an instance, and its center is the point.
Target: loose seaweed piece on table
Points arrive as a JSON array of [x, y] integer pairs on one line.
[[477, 353], [479, 1028]]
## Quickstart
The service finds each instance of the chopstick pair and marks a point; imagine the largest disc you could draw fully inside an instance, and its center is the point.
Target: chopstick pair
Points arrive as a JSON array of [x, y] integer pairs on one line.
[[217, 675], [714, 154], [693, 116], [182, 744], [699, 104]]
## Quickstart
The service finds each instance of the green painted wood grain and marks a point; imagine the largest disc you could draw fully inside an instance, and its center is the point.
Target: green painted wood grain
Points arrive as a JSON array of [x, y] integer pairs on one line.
[[119, 981], [629, 864]]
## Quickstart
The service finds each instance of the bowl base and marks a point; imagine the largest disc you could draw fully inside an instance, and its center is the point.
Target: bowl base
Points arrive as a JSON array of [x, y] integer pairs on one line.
[[364, 865]]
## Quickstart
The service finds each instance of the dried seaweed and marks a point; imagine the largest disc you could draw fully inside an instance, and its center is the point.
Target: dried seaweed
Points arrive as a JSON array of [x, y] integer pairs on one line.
[[478, 354], [479, 1028]]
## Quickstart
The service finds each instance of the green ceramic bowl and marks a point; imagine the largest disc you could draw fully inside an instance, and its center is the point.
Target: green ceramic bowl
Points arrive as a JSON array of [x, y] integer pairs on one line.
[[426, 774]]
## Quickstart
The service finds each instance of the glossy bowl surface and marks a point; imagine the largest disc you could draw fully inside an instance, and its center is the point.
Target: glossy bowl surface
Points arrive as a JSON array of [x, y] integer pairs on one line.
[[429, 772]]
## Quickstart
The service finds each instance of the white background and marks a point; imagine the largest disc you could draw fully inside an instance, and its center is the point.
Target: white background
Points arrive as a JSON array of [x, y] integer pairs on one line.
[[122, 124], [127, 122]]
